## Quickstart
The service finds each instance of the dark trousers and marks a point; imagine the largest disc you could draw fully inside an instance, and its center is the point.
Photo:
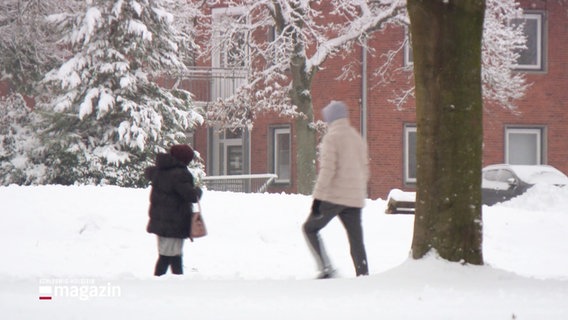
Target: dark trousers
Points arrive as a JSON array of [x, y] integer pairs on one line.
[[164, 262], [351, 220]]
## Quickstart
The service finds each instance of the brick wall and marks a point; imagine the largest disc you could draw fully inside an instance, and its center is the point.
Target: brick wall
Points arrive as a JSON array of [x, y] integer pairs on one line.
[[546, 104]]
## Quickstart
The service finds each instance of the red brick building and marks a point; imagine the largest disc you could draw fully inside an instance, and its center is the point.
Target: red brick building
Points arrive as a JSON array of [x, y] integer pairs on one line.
[[536, 133]]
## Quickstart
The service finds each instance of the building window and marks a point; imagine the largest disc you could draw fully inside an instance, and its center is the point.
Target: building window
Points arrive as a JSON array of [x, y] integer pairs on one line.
[[532, 57], [278, 48], [230, 57], [524, 145], [230, 49], [281, 154], [228, 152], [408, 58], [410, 153]]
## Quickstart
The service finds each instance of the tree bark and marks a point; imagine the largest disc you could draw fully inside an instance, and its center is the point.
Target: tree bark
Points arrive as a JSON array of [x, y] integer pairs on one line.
[[300, 94], [305, 134], [305, 139], [446, 39]]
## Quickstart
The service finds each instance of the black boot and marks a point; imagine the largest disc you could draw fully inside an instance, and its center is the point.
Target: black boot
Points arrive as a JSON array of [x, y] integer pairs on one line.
[[177, 265], [162, 265], [361, 269]]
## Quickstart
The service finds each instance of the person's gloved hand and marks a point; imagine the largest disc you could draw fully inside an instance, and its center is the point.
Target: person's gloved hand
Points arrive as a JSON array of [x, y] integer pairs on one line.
[[198, 193]]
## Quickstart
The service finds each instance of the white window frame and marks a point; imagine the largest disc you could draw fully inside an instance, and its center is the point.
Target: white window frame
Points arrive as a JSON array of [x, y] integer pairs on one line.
[[538, 132], [226, 78], [539, 42], [271, 38], [408, 57], [218, 15], [275, 158], [408, 130], [227, 145], [220, 166]]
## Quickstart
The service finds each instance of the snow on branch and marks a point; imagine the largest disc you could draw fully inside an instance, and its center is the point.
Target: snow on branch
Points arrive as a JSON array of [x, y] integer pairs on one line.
[[502, 41], [293, 39], [104, 99], [370, 19], [274, 38]]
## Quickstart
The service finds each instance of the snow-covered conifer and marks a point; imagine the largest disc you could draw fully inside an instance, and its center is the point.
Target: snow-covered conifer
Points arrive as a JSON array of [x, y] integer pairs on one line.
[[106, 115], [28, 45], [20, 148]]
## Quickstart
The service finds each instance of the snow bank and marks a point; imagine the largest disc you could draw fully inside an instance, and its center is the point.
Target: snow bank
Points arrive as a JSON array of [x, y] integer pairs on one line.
[[254, 264]]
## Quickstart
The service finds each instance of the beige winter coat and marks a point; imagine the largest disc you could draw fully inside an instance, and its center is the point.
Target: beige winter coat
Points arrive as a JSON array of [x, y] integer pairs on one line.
[[344, 166]]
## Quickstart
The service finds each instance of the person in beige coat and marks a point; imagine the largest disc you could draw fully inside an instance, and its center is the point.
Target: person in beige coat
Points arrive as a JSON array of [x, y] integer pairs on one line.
[[340, 190]]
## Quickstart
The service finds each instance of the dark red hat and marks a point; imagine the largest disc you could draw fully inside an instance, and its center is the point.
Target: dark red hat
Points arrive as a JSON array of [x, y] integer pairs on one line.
[[182, 152]]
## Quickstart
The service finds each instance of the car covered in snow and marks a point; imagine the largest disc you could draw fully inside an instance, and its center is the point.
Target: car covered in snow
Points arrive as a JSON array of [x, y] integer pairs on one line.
[[502, 182]]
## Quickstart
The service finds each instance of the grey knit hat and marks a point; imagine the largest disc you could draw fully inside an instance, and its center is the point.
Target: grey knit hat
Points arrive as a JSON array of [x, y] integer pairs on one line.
[[334, 110]]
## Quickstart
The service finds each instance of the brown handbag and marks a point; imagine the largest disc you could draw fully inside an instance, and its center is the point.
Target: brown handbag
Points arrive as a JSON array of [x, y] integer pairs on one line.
[[197, 228]]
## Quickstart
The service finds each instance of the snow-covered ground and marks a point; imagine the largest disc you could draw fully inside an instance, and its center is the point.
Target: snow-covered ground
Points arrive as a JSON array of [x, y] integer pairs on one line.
[[87, 248]]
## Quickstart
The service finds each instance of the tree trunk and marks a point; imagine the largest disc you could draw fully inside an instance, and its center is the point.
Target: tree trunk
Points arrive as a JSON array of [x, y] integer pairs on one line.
[[446, 40], [305, 139], [305, 134], [300, 94]]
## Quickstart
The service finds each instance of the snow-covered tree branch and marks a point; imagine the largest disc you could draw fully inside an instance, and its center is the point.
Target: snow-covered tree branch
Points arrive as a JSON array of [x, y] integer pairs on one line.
[[28, 46], [103, 113], [286, 35], [285, 42], [502, 41], [103, 103], [299, 27], [20, 148]]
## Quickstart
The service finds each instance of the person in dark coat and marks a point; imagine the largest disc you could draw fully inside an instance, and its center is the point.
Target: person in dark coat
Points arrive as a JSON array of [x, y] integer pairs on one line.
[[171, 197]]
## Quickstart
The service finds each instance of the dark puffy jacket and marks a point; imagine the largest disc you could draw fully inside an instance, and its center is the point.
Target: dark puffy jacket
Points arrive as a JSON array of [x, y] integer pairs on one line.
[[171, 197]]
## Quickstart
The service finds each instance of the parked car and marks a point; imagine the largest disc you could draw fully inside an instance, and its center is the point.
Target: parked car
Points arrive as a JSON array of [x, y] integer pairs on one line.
[[501, 182]]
